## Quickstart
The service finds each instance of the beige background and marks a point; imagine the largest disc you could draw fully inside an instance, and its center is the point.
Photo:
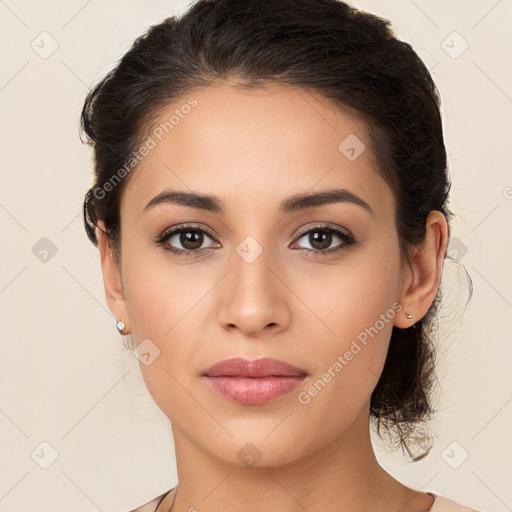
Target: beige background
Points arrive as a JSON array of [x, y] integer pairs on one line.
[[65, 378]]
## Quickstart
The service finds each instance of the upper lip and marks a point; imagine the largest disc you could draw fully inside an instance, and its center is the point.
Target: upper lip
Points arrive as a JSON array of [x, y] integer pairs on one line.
[[264, 367]]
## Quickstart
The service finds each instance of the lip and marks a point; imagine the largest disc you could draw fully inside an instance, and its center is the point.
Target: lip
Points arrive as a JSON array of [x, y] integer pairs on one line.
[[253, 382], [263, 367]]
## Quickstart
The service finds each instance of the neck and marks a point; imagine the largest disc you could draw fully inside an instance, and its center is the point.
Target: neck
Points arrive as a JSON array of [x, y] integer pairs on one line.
[[343, 475]]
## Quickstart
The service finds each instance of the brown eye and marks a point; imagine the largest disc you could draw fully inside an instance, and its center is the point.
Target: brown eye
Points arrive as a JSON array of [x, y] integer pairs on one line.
[[191, 240], [184, 240], [321, 237]]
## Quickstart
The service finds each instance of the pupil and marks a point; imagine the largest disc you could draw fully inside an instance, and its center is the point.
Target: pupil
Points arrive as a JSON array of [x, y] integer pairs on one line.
[[191, 237], [323, 237]]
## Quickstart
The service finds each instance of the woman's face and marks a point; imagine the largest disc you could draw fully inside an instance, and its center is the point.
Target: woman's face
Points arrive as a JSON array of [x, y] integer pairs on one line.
[[250, 284]]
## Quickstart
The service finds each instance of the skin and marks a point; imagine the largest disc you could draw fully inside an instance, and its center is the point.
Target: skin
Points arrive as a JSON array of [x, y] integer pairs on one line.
[[252, 150]]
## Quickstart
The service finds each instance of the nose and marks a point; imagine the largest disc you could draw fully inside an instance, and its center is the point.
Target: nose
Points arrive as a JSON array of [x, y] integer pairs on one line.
[[254, 296]]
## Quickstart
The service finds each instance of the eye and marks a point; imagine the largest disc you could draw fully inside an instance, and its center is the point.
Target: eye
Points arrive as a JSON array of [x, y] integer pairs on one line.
[[321, 237], [190, 237]]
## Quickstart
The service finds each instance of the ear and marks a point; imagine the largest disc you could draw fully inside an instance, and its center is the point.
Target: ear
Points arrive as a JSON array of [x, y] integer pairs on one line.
[[112, 281], [422, 277]]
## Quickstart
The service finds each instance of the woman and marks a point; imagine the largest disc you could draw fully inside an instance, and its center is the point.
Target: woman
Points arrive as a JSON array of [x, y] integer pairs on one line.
[[270, 206]]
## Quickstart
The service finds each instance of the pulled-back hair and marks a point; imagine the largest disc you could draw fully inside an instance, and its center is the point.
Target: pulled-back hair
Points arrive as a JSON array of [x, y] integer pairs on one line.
[[323, 46]]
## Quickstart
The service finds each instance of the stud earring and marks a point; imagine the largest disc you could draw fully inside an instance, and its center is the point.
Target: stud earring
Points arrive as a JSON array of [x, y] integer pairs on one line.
[[120, 326], [409, 317]]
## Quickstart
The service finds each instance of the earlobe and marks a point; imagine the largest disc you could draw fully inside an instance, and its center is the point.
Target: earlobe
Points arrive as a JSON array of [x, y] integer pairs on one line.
[[113, 285], [425, 271]]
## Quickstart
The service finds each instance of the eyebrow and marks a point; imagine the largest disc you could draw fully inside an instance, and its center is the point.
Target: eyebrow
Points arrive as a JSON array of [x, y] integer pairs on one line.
[[292, 204]]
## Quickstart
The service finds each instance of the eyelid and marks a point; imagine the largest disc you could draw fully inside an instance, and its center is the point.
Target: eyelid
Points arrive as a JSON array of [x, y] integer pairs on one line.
[[344, 234], [172, 230], [181, 227], [325, 226]]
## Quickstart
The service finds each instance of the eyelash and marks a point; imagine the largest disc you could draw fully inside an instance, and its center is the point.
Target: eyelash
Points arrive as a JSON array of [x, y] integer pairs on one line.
[[348, 240]]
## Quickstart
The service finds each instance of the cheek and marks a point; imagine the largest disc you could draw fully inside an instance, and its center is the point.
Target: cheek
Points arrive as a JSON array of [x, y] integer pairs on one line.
[[169, 308], [162, 296], [357, 306], [351, 296]]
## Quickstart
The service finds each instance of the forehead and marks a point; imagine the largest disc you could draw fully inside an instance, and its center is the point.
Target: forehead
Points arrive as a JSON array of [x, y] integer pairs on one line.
[[256, 145]]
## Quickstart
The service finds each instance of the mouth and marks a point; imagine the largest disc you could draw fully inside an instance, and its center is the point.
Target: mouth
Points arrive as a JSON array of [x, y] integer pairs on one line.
[[253, 382]]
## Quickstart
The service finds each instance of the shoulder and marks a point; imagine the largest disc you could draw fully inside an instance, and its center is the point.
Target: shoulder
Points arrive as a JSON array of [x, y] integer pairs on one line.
[[443, 504], [151, 506]]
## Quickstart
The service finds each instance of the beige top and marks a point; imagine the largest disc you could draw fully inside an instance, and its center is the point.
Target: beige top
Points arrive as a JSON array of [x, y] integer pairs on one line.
[[441, 504]]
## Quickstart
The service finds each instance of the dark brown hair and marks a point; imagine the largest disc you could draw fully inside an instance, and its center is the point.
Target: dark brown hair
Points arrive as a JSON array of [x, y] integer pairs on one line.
[[324, 46]]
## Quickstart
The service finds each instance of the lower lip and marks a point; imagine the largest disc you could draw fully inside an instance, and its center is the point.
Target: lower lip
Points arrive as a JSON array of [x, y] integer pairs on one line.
[[254, 391]]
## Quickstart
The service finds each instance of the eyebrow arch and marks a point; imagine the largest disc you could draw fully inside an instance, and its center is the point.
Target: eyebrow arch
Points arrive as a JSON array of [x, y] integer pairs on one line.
[[292, 204]]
